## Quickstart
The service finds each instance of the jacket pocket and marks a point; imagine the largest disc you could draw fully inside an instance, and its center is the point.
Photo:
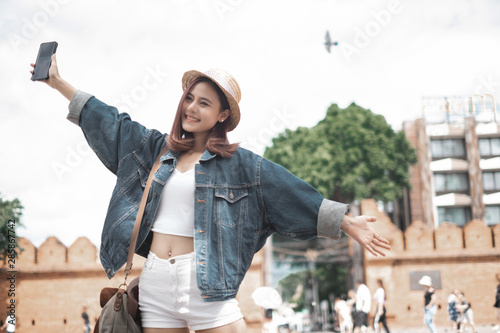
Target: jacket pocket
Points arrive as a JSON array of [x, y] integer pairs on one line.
[[231, 206]]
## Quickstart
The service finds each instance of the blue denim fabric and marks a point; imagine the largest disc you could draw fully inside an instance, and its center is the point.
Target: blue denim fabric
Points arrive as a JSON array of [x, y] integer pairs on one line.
[[239, 201], [429, 318]]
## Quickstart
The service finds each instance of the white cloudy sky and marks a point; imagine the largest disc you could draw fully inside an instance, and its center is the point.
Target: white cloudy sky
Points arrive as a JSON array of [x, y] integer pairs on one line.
[[132, 54]]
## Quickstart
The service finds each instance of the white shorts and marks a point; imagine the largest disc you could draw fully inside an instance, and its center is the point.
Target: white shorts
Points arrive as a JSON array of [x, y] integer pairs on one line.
[[169, 297]]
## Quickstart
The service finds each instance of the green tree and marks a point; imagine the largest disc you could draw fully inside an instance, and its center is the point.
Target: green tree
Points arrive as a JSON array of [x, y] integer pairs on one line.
[[351, 154], [331, 280], [10, 214]]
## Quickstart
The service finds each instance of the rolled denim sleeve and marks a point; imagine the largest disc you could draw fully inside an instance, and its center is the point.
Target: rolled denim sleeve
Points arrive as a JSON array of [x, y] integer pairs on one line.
[[78, 101], [295, 208]]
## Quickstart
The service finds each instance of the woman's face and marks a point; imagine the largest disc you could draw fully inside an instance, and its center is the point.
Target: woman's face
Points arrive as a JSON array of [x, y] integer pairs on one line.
[[201, 110]]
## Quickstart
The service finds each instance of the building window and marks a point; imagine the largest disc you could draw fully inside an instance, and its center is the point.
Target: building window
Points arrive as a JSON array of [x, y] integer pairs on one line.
[[448, 148], [489, 147], [492, 215], [451, 183], [458, 215], [491, 181]]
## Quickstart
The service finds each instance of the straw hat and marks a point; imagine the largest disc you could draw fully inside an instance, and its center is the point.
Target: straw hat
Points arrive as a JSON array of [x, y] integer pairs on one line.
[[226, 83], [425, 281]]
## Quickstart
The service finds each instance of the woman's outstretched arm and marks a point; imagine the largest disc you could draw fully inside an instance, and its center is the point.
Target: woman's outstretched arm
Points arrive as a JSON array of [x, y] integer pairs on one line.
[[56, 81], [358, 228]]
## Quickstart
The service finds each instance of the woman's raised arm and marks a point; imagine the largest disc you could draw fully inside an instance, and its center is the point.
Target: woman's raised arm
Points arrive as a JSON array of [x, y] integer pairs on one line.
[[55, 81]]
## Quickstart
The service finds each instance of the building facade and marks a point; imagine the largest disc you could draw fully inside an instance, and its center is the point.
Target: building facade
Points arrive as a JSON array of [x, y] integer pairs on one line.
[[457, 176]]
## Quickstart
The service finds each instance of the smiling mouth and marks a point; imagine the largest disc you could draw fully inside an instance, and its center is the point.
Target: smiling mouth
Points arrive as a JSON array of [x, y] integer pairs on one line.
[[192, 119]]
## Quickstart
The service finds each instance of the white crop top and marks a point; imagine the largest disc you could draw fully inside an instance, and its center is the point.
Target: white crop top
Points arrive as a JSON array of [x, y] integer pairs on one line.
[[175, 215]]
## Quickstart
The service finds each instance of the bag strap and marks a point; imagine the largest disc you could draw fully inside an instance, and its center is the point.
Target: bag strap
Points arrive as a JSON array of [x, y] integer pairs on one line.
[[140, 213]]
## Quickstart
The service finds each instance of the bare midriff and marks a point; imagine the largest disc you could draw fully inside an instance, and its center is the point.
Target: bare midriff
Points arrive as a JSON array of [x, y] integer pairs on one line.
[[168, 246]]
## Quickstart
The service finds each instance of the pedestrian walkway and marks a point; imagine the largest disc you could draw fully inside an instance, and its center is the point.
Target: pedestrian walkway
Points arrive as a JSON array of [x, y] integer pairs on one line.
[[440, 329], [444, 329]]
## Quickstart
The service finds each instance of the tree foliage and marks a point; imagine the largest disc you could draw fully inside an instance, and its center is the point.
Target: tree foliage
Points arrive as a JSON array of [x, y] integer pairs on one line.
[[10, 214], [331, 280], [351, 154]]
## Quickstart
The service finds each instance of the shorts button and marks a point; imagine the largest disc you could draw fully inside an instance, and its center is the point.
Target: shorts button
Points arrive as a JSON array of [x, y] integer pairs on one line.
[[172, 261]]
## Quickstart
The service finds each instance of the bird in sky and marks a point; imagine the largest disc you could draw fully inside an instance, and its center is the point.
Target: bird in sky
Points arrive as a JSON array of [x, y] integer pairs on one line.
[[328, 42]]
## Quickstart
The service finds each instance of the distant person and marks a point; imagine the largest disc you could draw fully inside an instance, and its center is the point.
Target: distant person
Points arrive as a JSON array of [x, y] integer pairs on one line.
[[453, 310], [343, 312], [466, 317], [10, 324], [380, 317], [269, 325], [351, 299], [86, 321], [430, 306], [362, 307], [497, 303]]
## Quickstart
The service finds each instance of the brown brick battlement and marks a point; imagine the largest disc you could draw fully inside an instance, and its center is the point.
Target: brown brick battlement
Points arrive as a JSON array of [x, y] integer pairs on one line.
[[465, 258], [52, 282], [474, 236]]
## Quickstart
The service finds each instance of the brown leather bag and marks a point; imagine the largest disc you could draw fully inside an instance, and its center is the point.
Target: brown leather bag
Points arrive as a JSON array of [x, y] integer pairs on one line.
[[120, 310], [120, 306]]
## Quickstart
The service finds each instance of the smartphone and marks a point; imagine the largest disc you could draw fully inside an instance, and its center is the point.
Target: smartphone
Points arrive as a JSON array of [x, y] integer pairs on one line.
[[43, 61]]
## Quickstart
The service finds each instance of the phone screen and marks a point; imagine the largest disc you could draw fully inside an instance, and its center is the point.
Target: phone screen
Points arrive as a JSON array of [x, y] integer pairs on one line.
[[43, 61]]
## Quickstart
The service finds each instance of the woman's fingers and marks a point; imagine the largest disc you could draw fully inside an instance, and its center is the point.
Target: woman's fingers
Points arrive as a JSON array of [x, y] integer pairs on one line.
[[382, 242], [371, 219], [371, 250], [378, 245]]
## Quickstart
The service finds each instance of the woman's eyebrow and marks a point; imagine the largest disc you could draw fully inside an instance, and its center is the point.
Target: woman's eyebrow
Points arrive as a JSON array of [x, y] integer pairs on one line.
[[189, 94], [206, 99]]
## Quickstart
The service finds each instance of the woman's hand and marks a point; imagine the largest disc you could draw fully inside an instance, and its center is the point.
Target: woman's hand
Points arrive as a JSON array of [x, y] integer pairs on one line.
[[55, 81], [358, 228]]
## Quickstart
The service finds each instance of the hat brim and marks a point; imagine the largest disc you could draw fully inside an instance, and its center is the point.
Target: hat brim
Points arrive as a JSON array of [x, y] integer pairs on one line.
[[190, 76]]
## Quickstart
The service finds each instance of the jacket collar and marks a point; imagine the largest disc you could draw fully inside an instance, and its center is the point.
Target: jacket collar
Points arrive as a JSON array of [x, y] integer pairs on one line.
[[173, 155]]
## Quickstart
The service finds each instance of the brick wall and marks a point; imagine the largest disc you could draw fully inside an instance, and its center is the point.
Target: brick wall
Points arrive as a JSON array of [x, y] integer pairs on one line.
[[53, 282], [466, 259]]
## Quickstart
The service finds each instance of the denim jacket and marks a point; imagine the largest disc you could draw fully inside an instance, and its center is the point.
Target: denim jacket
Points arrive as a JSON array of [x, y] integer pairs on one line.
[[239, 201]]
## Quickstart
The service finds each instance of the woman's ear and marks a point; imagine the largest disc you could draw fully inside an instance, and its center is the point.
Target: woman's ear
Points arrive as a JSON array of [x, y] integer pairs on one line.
[[223, 115]]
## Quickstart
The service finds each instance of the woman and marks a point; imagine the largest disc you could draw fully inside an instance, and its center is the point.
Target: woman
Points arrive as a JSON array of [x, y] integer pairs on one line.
[[453, 309], [211, 206], [380, 298], [466, 316], [343, 312], [430, 305]]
